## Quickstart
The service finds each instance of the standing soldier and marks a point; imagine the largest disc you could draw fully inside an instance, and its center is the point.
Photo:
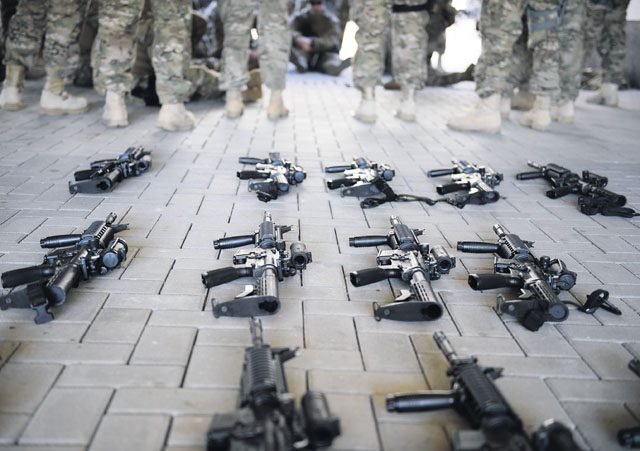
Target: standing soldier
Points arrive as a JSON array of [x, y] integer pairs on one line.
[[605, 31], [171, 56], [408, 19], [275, 43], [500, 27], [59, 21]]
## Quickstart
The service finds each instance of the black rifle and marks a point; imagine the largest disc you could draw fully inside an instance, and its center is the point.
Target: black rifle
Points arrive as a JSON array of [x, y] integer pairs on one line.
[[267, 418], [76, 257], [474, 395], [360, 177], [593, 197], [630, 437], [268, 263], [278, 175], [104, 175], [409, 260], [539, 279], [477, 182]]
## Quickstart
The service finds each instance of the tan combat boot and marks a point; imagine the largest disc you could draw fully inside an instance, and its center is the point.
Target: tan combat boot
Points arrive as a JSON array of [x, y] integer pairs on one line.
[[174, 117], [538, 117], [522, 100], [407, 109], [233, 105], [607, 95], [253, 93], [115, 110], [563, 112], [276, 108], [505, 107], [11, 95], [484, 118], [366, 111], [55, 100]]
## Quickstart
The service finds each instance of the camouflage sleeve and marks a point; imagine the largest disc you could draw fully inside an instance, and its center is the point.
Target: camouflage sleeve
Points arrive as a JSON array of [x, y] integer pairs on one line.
[[329, 39]]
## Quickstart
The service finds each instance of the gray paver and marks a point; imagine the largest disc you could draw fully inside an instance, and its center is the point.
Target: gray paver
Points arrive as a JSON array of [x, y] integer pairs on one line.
[[117, 376], [24, 386], [164, 345], [67, 417], [145, 433]]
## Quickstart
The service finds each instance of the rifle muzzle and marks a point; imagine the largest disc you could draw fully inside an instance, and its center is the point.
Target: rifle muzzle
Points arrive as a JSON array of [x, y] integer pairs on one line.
[[477, 247], [300, 257], [440, 172], [530, 175], [234, 241], [420, 402], [368, 241]]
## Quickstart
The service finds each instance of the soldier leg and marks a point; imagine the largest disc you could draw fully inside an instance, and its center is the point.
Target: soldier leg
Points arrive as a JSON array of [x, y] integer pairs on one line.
[[543, 19], [116, 34], [500, 27], [408, 35], [171, 59], [613, 54], [275, 45], [237, 17], [570, 35], [88, 33], [594, 24], [24, 37], [330, 63], [372, 17]]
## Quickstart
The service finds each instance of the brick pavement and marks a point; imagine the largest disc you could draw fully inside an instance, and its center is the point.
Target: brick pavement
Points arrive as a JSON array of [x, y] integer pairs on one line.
[[135, 359]]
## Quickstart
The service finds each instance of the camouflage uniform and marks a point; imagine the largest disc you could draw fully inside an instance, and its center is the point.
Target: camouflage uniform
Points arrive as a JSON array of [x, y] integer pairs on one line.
[[605, 31], [171, 46], [570, 32], [500, 27], [59, 20], [275, 42], [408, 36]]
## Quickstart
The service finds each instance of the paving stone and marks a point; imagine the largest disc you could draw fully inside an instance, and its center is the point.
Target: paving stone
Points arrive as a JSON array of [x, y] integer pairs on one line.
[[164, 346], [142, 432], [599, 333], [545, 342], [214, 367], [24, 386], [189, 430], [117, 376], [67, 417], [117, 326], [481, 321], [466, 346], [71, 353], [11, 425], [599, 423], [330, 332], [413, 437], [608, 360], [390, 352], [359, 433], [594, 390], [242, 338], [172, 401], [155, 301], [369, 382]]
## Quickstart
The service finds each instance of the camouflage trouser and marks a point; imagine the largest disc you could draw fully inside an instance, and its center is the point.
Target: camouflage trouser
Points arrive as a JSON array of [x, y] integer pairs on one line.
[[171, 46], [274, 45], [59, 20], [604, 30], [500, 27], [570, 34], [408, 37]]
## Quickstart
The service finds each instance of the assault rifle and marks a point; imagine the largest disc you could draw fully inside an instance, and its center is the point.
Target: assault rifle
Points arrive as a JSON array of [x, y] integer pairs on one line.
[[413, 262], [268, 263], [630, 437], [75, 257], [538, 279], [474, 395], [360, 178], [278, 175], [104, 175], [267, 418], [593, 197], [477, 182]]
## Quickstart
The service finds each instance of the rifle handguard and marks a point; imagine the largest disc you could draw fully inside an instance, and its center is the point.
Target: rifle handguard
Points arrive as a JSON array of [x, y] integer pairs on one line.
[[481, 282], [440, 172], [248, 175], [561, 191], [23, 276], [251, 160], [56, 241], [234, 241], [477, 247], [368, 240], [224, 275], [367, 276], [337, 169], [530, 175]]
